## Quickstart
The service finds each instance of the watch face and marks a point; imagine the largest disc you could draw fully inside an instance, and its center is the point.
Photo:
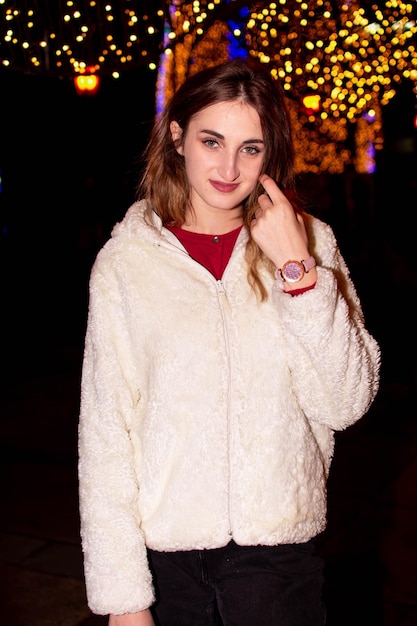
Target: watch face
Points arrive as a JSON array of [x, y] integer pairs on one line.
[[293, 271]]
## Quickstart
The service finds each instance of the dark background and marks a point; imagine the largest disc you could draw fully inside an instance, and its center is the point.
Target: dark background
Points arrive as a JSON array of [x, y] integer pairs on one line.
[[69, 167]]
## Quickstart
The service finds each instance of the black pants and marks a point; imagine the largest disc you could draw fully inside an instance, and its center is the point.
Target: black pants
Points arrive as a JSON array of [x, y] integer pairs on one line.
[[239, 586]]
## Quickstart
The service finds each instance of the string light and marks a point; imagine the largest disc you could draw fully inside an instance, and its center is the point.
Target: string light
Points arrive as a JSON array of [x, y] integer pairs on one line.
[[348, 54], [351, 57], [58, 38]]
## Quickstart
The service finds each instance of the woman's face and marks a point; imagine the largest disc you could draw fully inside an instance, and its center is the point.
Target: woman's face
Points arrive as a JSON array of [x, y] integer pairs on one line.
[[223, 150]]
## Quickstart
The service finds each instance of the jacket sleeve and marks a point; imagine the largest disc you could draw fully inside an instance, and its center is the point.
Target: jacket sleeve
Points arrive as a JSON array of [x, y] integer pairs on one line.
[[334, 360], [117, 576]]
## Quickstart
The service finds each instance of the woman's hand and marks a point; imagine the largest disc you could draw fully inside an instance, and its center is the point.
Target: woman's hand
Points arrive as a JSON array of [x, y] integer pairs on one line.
[[142, 618], [280, 231]]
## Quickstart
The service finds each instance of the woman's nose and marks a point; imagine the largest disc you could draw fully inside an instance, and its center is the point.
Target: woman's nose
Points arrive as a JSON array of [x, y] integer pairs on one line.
[[228, 167]]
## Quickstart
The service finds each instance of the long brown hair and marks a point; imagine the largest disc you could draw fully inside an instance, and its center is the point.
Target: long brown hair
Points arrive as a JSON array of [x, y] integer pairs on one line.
[[164, 182]]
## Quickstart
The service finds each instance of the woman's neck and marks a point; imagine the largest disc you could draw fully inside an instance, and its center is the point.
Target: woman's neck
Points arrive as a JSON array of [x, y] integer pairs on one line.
[[210, 224]]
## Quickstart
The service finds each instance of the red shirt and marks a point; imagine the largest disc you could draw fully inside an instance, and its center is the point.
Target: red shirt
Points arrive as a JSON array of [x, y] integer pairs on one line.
[[212, 251]]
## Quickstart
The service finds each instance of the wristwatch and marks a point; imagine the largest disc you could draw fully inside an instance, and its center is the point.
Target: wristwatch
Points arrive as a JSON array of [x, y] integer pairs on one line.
[[293, 271]]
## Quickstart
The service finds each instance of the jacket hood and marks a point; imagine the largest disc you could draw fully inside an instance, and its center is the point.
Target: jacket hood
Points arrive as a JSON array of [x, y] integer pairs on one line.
[[138, 221]]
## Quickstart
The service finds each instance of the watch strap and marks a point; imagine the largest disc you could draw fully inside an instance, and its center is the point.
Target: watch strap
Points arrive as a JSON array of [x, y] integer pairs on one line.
[[309, 263]]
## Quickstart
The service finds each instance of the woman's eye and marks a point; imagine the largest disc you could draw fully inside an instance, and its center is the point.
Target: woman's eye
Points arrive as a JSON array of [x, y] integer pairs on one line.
[[211, 143], [251, 150]]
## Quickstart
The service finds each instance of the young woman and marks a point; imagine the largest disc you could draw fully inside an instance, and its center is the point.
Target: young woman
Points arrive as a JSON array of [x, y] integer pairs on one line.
[[225, 345]]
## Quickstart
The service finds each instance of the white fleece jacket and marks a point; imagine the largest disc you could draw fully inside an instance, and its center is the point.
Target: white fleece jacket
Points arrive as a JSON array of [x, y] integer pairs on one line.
[[206, 415]]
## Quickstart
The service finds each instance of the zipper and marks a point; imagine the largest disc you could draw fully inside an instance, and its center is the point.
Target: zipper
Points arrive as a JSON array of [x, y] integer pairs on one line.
[[225, 310]]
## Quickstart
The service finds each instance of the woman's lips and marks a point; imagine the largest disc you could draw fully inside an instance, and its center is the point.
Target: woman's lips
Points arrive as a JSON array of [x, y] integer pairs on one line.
[[224, 187]]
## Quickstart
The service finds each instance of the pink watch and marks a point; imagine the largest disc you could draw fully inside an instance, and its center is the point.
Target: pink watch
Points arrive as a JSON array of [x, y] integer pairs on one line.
[[293, 271]]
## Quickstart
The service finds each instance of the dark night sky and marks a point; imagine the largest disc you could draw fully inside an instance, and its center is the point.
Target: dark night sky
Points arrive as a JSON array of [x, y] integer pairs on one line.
[[53, 139], [69, 168]]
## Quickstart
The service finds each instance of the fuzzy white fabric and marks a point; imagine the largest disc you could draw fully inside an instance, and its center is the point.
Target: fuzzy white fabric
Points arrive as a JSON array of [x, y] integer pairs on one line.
[[206, 415]]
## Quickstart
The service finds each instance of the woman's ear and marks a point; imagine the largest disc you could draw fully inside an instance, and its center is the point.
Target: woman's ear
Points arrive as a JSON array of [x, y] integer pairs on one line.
[[176, 134]]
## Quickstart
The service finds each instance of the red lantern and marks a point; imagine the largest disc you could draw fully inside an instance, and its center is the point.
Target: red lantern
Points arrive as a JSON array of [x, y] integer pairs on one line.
[[87, 83]]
